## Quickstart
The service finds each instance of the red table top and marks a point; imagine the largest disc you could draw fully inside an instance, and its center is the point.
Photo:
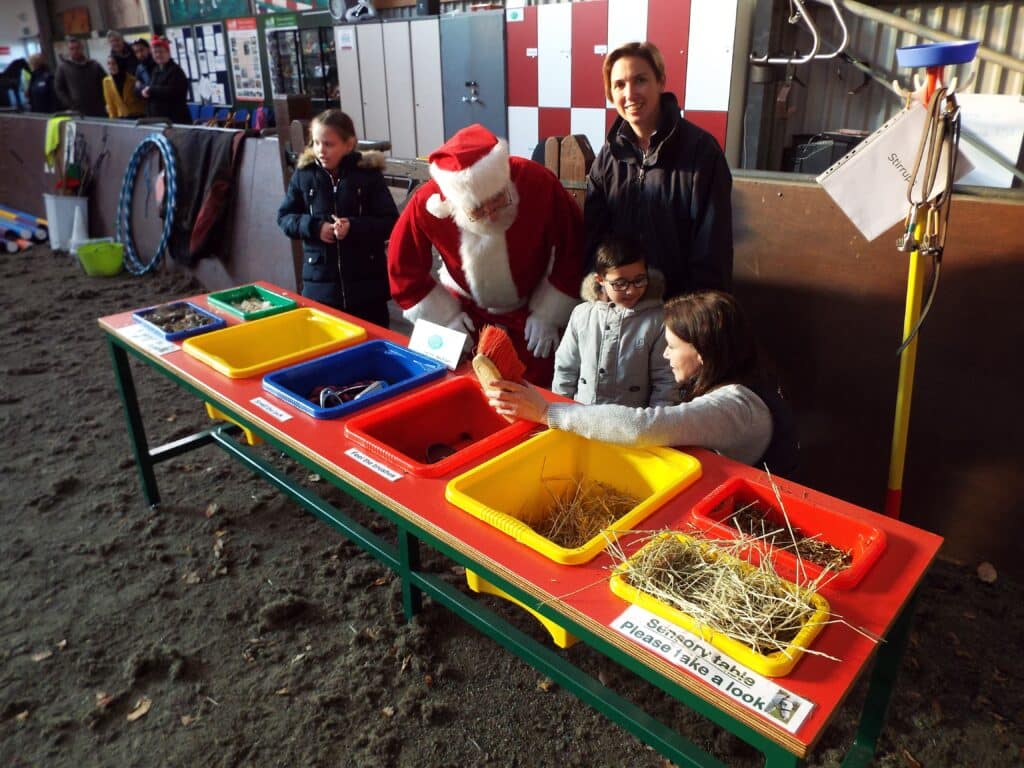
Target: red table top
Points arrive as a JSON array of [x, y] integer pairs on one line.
[[581, 592]]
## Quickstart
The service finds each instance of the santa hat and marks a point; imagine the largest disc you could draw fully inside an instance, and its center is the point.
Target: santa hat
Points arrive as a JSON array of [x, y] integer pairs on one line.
[[471, 167], [161, 42]]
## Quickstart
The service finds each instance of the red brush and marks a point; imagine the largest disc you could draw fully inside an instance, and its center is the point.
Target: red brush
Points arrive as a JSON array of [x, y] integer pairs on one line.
[[496, 357]]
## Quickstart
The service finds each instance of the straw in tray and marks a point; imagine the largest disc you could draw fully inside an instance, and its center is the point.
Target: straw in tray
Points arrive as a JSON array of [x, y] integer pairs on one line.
[[176, 317], [580, 509], [706, 580], [757, 521], [251, 303]]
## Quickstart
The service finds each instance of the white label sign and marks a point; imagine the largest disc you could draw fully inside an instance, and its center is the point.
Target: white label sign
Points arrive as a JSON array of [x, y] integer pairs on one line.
[[698, 657], [438, 342], [372, 464], [147, 339], [269, 407]]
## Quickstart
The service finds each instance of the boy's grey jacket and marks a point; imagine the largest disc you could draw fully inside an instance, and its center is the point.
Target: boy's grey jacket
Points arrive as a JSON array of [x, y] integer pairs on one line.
[[614, 355]]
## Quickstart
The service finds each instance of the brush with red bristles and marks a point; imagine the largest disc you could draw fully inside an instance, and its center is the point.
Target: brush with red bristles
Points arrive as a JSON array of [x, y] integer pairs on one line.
[[496, 357]]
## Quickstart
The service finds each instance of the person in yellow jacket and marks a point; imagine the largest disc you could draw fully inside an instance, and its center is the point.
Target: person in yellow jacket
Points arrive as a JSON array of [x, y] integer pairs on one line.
[[119, 92]]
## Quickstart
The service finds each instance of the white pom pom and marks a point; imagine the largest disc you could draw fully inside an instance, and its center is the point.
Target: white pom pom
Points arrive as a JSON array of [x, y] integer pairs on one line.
[[439, 208]]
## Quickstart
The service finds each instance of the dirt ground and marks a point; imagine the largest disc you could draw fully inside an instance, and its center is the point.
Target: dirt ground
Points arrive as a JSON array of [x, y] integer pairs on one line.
[[258, 637]]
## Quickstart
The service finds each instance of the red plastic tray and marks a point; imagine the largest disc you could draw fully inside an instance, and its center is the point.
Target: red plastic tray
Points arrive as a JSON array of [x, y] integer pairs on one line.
[[863, 541], [453, 413]]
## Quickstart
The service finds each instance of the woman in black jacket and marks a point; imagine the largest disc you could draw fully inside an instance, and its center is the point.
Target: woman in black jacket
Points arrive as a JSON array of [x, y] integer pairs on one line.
[[660, 178], [42, 95], [338, 205], [166, 94]]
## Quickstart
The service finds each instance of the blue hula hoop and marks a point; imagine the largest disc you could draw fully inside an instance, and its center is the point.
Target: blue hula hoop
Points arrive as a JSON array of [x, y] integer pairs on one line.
[[124, 203]]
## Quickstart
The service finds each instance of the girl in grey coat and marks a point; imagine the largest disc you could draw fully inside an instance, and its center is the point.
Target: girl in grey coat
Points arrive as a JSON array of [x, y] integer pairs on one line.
[[613, 348]]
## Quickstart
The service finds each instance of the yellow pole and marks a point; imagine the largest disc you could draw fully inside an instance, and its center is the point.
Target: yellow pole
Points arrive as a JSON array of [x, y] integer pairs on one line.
[[905, 387]]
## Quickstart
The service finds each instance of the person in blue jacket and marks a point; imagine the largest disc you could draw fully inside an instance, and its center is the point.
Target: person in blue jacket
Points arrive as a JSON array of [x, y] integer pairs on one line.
[[339, 206]]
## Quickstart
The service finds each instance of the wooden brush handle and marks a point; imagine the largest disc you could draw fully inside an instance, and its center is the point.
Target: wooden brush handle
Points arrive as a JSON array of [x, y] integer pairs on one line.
[[486, 372]]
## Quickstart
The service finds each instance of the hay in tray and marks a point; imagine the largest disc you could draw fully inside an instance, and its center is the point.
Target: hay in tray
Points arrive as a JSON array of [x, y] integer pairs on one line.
[[706, 580], [252, 302], [175, 317], [760, 522], [580, 509]]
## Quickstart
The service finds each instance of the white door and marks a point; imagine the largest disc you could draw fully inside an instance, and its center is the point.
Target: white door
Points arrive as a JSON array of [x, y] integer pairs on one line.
[[401, 114], [348, 75], [426, 84], [370, 45]]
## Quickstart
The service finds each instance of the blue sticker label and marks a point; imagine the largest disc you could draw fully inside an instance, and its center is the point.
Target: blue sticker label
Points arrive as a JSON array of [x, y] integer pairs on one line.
[[435, 342]]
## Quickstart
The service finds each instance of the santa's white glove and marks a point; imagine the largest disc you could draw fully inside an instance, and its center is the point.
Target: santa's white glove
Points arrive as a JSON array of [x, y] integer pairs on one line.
[[541, 336], [462, 323]]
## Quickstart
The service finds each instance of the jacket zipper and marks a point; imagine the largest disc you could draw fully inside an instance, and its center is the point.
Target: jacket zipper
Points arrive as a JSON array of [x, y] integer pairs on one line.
[[337, 244]]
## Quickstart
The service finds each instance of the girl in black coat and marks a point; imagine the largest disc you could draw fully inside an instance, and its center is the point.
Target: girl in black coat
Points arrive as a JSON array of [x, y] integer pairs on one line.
[[338, 205]]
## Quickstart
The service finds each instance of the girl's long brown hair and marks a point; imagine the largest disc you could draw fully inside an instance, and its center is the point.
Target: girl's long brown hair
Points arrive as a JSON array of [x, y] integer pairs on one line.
[[715, 324]]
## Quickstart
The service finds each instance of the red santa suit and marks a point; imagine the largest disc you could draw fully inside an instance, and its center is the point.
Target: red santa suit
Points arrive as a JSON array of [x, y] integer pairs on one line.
[[509, 237]]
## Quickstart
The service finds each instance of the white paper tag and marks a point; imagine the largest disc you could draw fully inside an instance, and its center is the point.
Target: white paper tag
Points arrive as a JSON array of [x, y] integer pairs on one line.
[[531, 53], [600, 50], [269, 407], [372, 464], [147, 339], [438, 342], [705, 662], [514, 14]]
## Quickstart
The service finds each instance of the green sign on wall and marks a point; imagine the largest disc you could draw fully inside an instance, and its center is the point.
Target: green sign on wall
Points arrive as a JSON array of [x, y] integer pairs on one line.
[[181, 11]]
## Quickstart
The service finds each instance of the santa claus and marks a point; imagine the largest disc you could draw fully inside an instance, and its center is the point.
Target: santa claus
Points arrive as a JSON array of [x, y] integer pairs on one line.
[[510, 240]]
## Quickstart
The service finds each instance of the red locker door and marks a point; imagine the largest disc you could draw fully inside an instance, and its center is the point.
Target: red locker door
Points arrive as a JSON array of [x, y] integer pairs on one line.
[[589, 29], [521, 58], [668, 27]]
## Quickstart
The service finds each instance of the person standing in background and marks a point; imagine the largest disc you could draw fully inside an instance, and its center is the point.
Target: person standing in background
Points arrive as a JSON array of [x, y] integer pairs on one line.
[[167, 92], [79, 81], [660, 178], [144, 64], [119, 92], [119, 50], [42, 95]]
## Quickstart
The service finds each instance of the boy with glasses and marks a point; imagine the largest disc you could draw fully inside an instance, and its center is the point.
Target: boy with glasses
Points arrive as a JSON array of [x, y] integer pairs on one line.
[[613, 348]]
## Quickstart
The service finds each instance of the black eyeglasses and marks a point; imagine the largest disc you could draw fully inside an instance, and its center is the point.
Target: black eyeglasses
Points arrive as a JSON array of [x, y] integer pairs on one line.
[[640, 281]]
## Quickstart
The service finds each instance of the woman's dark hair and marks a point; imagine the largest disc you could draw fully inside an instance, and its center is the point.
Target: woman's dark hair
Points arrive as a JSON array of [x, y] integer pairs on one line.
[[715, 324], [617, 251], [647, 51], [338, 121]]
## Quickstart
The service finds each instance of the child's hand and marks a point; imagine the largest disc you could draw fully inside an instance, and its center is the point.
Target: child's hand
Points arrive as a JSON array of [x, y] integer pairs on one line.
[[327, 232], [519, 401], [341, 228]]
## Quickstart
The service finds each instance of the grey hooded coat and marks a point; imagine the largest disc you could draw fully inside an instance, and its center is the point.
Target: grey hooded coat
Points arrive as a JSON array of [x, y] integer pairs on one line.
[[614, 355]]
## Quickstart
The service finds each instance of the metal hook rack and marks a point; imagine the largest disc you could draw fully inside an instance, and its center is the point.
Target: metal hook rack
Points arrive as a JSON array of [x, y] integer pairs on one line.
[[812, 55]]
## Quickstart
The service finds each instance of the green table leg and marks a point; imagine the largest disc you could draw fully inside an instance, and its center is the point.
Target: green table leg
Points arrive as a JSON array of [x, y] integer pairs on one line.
[[887, 665], [409, 561], [136, 429], [781, 758]]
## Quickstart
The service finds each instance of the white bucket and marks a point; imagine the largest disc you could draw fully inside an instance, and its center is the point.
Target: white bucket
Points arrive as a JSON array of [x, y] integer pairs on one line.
[[60, 215]]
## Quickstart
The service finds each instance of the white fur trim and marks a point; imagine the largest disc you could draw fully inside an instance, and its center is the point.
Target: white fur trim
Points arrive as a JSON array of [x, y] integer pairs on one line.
[[438, 306], [471, 186], [438, 208], [486, 267], [551, 304]]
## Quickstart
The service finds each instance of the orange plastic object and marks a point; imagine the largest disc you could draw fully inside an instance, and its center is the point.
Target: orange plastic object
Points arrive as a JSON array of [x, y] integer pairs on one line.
[[432, 431], [864, 542]]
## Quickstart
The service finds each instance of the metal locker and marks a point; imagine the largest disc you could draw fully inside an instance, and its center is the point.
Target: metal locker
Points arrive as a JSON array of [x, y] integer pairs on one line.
[[398, 73], [473, 71], [370, 46], [426, 83]]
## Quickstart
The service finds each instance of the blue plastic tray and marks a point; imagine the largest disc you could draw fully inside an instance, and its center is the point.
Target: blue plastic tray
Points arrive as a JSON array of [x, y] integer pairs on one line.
[[937, 54], [214, 324], [400, 368]]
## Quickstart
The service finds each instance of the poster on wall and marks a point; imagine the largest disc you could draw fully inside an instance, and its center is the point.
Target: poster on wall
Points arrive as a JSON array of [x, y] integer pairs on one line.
[[200, 51], [276, 6], [179, 11], [244, 50]]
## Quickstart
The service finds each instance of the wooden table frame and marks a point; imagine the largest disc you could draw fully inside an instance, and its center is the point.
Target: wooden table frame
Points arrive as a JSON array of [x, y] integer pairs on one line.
[[403, 559]]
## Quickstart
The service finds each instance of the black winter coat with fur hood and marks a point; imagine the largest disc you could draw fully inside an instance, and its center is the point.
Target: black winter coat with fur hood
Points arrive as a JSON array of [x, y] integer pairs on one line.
[[352, 272]]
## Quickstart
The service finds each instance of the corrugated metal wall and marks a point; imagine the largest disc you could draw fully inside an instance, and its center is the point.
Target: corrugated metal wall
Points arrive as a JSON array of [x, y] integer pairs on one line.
[[826, 103]]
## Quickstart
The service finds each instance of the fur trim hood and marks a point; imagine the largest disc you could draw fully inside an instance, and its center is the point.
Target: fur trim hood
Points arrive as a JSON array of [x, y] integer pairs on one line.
[[371, 159], [591, 290]]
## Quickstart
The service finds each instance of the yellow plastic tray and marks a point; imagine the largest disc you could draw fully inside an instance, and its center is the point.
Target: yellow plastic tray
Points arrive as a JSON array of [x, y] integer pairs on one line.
[[561, 637], [273, 342], [775, 664], [515, 487]]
